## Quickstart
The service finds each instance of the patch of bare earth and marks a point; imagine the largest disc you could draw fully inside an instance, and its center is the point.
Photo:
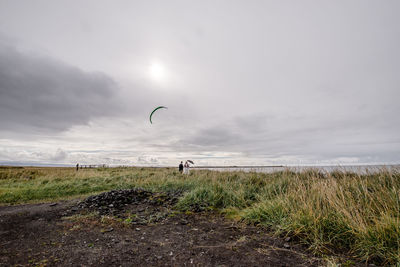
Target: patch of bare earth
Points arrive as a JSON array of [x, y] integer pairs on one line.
[[145, 232]]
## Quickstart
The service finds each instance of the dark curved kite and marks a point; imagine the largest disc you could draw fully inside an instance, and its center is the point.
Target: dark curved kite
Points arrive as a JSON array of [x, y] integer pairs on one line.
[[157, 108]]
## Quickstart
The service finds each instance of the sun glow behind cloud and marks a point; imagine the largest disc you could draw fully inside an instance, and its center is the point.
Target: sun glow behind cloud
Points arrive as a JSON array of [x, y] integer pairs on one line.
[[158, 72]]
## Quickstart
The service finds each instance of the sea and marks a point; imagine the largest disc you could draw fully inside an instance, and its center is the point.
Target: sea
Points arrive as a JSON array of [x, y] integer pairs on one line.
[[360, 169]]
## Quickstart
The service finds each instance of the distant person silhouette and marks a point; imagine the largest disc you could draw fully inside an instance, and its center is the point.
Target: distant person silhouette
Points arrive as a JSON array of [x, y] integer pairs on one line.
[[181, 167], [77, 166]]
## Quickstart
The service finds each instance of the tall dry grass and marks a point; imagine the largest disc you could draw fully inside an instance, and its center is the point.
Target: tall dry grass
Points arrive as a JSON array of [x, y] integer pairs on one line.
[[357, 213]]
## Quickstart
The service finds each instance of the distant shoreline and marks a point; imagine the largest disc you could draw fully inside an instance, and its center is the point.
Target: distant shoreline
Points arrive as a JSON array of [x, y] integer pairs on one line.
[[234, 166]]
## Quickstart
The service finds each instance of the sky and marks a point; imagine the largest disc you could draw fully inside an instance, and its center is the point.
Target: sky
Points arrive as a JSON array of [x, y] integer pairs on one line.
[[245, 82]]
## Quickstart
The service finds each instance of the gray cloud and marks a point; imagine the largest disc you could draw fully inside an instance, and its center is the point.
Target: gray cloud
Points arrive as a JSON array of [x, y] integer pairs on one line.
[[43, 94], [147, 160], [60, 155], [307, 139]]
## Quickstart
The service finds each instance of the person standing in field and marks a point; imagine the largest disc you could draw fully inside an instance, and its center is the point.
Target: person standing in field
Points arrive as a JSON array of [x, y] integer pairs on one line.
[[181, 167], [186, 168], [77, 166]]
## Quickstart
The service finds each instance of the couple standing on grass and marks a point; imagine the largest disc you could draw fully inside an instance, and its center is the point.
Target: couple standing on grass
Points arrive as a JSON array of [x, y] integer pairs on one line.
[[184, 168]]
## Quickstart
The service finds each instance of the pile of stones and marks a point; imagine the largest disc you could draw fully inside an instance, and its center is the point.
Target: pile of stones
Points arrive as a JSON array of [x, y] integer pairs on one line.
[[116, 200]]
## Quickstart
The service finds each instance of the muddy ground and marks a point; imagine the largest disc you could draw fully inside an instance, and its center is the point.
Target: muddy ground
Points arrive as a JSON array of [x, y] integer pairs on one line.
[[145, 232]]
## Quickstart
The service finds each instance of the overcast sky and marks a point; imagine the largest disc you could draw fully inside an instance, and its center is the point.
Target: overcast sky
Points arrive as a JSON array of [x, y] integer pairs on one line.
[[245, 82]]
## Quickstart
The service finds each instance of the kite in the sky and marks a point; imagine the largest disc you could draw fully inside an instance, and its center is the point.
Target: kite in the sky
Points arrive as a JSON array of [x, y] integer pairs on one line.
[[157, 108]]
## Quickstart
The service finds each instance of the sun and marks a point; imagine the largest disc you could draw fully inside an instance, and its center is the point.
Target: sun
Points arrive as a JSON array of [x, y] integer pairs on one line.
[[157, 72]]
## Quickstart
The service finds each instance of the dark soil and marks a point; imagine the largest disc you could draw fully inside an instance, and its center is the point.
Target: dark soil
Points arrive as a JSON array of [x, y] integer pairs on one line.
[[136, 228]]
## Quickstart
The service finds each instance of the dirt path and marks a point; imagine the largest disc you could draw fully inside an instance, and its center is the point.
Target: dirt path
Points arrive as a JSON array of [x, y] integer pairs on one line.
[[153, 235]]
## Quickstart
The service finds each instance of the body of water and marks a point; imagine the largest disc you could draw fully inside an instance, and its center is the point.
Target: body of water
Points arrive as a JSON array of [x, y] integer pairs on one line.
[[362, 169]]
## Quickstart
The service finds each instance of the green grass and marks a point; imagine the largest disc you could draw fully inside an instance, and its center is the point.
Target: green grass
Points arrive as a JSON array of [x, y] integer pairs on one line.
[[331, 212]]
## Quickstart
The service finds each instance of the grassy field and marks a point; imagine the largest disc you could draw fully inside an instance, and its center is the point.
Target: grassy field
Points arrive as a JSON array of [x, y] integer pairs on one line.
[[331, 212]]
